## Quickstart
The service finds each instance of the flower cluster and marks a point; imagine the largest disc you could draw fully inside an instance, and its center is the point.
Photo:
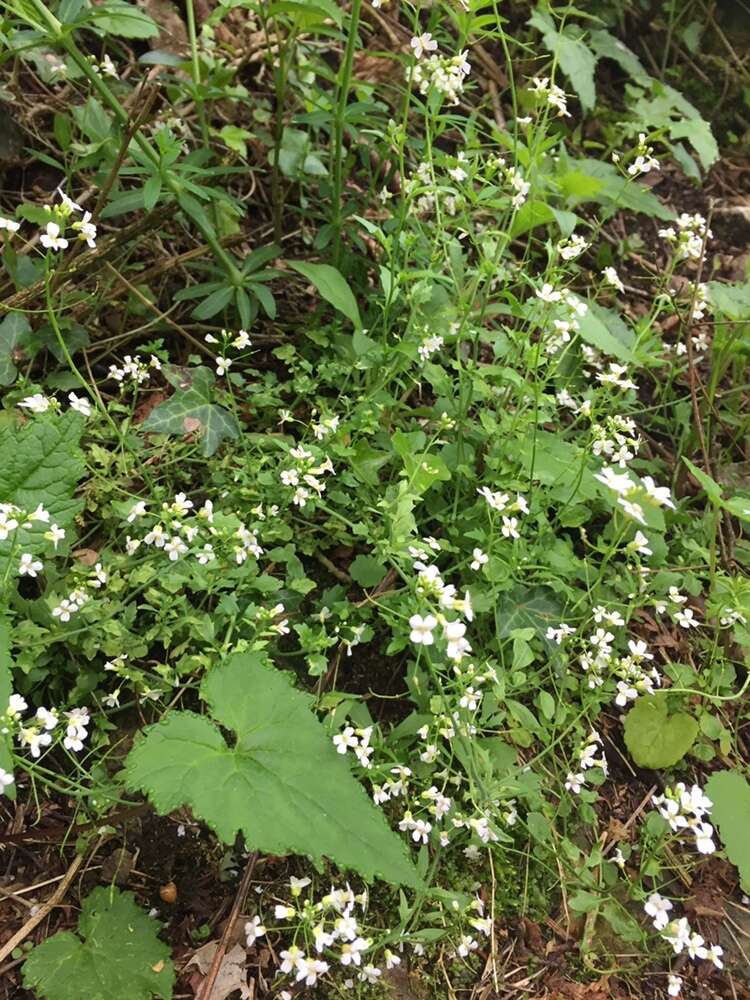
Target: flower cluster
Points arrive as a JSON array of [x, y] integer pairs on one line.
[[680, 936], [590, 754], [304, 477], [238, 342], [36, 733], [357, 740], [690, 236], [686, 809], [554, 95], [646, 492], [616, 438], [644, 161], [134, 369], [204, 534], [443, 74]]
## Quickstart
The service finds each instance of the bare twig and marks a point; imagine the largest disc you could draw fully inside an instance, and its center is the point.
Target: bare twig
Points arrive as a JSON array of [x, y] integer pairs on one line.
[[43, 911], [239, 901]]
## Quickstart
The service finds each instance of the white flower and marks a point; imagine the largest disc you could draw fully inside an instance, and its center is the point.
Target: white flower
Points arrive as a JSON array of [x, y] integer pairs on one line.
[[86, 230], [713, 954], [38, 403], [284, 913], [658, 907], [421, 831], [290, 957], [6, 778], [223, 365], [48, 719], [55, 534], [108, 68], [175, 547], [480, 559], [498, 501], [309, 970], [137, 510], [254, 929], [370, 974], [611, 277], [345, 740], [458, 646], [17, 705], [422, 629], [510, 524], [64, 610], [674, 985], [51, 239], [659, 494], [677, 933], [686, 618], [80, 404], [68, 204], [10, 224], [29, 566], [242, 340], [574, 782], [423, 43], [547, 293]]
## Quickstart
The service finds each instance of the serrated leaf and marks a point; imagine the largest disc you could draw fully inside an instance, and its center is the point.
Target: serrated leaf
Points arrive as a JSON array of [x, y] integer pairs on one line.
[[332, 286], [731, 299], [281, 784], [574, 57], [191, 410], [13, 329], [115, 954], [655, 738], [40, 463], [606, 46], [730, 793]]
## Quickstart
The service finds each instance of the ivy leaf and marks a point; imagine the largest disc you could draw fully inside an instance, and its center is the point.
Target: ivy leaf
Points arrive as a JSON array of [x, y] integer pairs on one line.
[[116, 953], [281, 783], [730, 793], [191, 409], [655, 738], [40, 463], [332, 286], [13, 329]]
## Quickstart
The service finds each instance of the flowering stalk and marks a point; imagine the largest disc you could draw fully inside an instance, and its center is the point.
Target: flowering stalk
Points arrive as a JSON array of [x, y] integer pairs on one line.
[[342, 96], [56, 30]]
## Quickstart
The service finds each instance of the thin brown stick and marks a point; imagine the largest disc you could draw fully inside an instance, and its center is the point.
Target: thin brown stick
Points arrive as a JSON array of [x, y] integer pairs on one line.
[[239, 901], [54, 900]]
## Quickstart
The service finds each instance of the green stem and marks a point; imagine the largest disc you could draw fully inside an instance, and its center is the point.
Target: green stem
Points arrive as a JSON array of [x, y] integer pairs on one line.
[[196, 69], [55, 29], [342, 96]]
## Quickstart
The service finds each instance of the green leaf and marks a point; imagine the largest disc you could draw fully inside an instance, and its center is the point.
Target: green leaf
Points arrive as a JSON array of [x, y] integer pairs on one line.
[[367, 571], [281, 784], [711, 487], [332, 286], [732, 300], [574, 57], [13, 329], [730, 793], [606, 46], [606, 330], [191, 410], [699, 135], [530, 215], [116, 953], [527, 607], [124, 20], [655, 738], [40, 463]]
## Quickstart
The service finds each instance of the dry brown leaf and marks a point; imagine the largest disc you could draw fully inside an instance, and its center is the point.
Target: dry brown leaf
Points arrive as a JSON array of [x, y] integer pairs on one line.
[[232, 974]]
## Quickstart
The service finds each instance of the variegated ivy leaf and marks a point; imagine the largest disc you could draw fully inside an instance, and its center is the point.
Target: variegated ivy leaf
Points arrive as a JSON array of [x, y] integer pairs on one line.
[[191, 410], [279, 782]]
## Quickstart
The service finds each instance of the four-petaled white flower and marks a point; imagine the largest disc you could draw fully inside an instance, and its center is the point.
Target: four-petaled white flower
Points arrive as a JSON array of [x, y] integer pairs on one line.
[[51, 238], [29, 566], [254, 929], [38, 403], [423, 43], [80, 404], [422, 629]]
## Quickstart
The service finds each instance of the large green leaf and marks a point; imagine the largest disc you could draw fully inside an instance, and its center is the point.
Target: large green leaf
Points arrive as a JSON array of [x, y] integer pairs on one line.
[[281, 784], [191, 409], [116, 955], [730, 793], [40, 463], [606, 330], [655, 738], [332, 286]]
